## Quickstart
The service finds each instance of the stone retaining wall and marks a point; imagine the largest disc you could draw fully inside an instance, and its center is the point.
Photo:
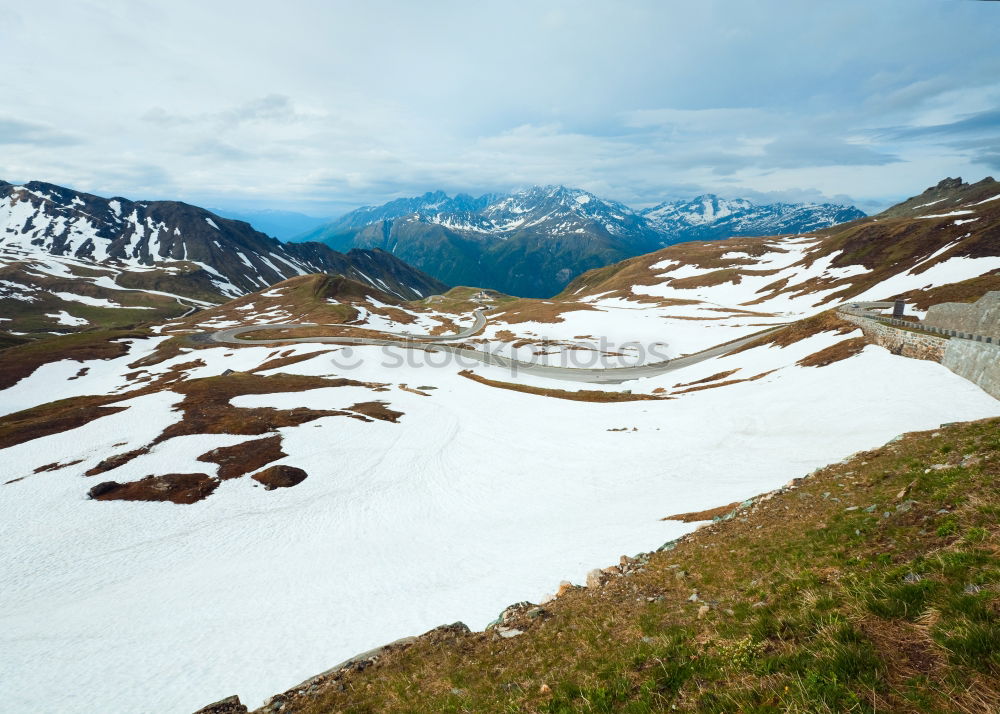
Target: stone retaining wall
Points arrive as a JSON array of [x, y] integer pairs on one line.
[[978, 362], [980, 318], [907, 343], [975, 360]]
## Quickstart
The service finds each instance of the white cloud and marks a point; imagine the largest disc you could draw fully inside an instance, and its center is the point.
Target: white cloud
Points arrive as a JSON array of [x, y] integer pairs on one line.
[[325, 105]]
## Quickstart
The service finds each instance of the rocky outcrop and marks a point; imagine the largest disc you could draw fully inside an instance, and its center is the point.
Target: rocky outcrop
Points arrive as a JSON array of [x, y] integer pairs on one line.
[[229, 705], [333, 677]]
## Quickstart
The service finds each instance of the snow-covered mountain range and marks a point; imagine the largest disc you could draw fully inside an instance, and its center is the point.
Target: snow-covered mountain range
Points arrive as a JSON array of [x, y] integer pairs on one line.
[[48, 233], [532, 242], [709, 217]]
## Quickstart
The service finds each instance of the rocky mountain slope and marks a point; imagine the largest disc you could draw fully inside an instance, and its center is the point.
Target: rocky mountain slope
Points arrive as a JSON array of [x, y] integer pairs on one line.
[[532, 242], [64, 253]]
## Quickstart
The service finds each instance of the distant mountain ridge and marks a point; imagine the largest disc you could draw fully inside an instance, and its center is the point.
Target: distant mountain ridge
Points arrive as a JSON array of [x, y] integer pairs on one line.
[[283, 225], [532, 242], [709, 217]]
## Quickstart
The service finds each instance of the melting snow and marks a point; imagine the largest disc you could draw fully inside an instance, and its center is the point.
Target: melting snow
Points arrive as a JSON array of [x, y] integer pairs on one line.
[[64, 318], [946, 215]]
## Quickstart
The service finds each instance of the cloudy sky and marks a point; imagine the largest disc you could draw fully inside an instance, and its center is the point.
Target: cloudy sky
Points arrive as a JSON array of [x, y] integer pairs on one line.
[[321, 106]]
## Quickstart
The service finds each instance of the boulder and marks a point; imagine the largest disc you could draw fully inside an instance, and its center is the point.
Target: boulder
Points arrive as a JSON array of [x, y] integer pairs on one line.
[[595, 578], [102, 488], [280, 476]]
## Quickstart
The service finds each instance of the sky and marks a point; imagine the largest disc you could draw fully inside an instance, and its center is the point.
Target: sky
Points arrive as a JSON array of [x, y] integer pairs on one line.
[[320, 106]]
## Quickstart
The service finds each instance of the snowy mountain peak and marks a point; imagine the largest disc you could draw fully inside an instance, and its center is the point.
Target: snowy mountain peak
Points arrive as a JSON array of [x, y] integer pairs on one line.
[[700, 210], [708, 216]]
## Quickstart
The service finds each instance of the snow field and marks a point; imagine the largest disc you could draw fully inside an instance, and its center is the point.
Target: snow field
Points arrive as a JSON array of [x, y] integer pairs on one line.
[[479, 497]]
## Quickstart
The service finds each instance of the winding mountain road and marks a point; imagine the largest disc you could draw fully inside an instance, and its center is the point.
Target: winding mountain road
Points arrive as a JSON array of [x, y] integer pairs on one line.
[[436, 343]]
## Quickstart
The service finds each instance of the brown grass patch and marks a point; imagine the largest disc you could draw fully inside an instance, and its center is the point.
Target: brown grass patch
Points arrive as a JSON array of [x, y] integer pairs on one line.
[[827, 321], [285, 361], [705, 515], [55, 466], [714, 377], [177, 488], [964, 291], [528, 310], [165, 350], [113, 462], [207, 409], [376, 410], [239, 459], [718, 277], [726, 383], [19, 361], [53, 418], [582, 395], [331, 331], [834, 353]]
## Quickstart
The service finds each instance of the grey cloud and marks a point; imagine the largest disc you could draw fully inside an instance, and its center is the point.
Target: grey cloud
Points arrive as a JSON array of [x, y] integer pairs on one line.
[[979, 123], [807, 152], [269, 108], [15, 131]]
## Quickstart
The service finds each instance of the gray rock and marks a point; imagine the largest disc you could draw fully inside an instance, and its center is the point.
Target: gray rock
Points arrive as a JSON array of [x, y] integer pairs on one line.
[[508, 632], [595, 578]]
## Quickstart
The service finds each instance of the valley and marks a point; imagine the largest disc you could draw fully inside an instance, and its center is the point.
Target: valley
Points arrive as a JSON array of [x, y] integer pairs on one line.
[[534, 241]]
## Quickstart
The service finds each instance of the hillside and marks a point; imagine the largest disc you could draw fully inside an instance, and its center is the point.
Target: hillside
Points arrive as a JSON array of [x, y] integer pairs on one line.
[[71, 260], [868, 585], [532, 242]]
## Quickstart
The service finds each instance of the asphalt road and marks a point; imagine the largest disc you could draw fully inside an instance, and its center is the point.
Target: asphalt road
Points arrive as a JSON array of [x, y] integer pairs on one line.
[[439, 343]]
